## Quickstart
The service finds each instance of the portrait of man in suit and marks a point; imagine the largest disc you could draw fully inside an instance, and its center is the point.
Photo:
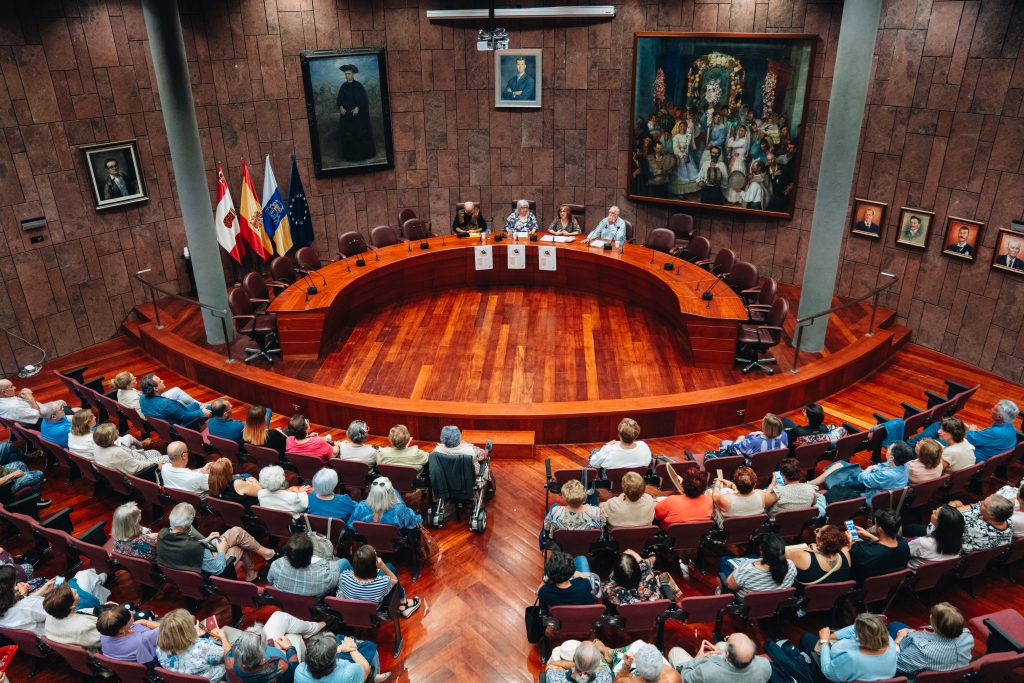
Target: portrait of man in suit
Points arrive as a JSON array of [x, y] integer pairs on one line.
[[518, 78], [117, 184], [962, 237], [521, 85], [914, 226], [114, 174], [867, 218], [1011, 259]]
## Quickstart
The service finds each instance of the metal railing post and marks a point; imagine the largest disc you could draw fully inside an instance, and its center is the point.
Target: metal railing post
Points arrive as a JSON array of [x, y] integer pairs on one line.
[[874, 307], [227, 339], [219, 312], [796, 347]]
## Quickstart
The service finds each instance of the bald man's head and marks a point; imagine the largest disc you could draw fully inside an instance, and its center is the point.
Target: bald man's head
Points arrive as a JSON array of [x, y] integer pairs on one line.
[[740, 650], [5, 385]]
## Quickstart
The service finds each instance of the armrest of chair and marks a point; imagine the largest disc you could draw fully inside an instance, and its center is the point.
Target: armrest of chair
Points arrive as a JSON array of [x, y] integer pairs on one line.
[[60, 520], [96, 534], [934, 399], [148, 473], [759, 307], [243, 316], [704, 262], [769, 334], [850, 429], [752, 291], [260, 301], [277, 284], [954, 388], [689, 456], [879, 418], [999, 640], [909, 409], [25, 505]]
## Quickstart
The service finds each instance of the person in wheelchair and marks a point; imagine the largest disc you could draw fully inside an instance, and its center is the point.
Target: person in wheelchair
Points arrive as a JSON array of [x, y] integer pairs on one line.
[[452, 444], [460, 473]]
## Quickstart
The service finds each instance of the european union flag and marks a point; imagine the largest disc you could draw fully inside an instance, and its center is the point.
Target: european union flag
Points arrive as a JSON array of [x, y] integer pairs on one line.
[[298, 210]]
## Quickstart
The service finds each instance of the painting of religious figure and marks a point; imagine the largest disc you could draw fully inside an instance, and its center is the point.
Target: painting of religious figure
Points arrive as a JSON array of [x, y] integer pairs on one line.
[[717, 120], [347, 107]]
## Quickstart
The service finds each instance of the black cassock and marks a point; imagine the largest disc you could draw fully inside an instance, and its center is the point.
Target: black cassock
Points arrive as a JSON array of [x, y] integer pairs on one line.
[[356, 134]]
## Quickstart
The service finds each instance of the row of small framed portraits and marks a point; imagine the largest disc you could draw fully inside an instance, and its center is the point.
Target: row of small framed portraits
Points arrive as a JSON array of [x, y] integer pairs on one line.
[[960, 239]]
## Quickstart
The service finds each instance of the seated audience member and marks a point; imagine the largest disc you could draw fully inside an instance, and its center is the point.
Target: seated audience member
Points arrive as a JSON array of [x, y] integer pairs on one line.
[[522, 219], [383, 505], [177, 475], [567, 582], [739, 497], [626, 452], [632, 580], [22, 570], [575, 514], [611, 228], [9, 452], [21, 406], [584, 664], [945, 644], [566, 223], [633, 507], [355, 446], [127, 639], [827, 560], [156, 404], [770, 438], [304, 442], [861, 652], [367, 577], [255, 658], [301, 572], [468, 219], [64, 624], [258, 433], [638, 661], [694, 504], [401, 451], [324, 501], [986, 524], [958, 453], [80, 441], [928, 464], [220, 423], [274, 492], [1017, 518], [18, 475], [336, 659], [944, 541], [999, 438], [109, 453], [770, 572], [794, 494], [182, 647], [451, 443], [130, 537], [129, 396], [885, 553], [55, 425], [179, 546], [815, 416], [243, 489], [22, 608], [735, 659], [887, 476]]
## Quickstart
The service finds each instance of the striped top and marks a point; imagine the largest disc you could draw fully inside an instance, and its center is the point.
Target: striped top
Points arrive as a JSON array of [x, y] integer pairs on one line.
[[751, 579], [925, 650], [350, 588]]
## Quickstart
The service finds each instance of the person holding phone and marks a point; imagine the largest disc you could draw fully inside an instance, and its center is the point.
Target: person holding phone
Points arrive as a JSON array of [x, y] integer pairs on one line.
[[792, 492], [183, 647]]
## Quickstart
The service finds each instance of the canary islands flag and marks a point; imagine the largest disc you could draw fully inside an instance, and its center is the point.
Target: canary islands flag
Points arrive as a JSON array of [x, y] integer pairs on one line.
[[275, 216]]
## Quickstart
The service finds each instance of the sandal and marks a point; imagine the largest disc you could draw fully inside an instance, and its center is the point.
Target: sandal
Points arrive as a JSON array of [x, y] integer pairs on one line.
[[380, 678], [410, 606]]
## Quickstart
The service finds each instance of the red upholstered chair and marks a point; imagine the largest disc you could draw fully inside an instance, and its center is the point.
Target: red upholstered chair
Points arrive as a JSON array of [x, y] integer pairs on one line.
[[416, 229], [826, 597], [687, 537], [240, 594], [114, 479], [890, 498], [881, 589], [576, 620], [226, 448], [231, 513], [363, 614], [766, 294], [307, 260], [921, 495], [193, 439], [135, 418], [30, 644], [954, 676], [282, 269], [301, 606], [809, 454], [753, 340], [615, 475], [633, 537], [404, 215], [168, 676], [388, 539], [681, 225], [976, 562], [352, 474], [384, 236], [78, 658], [264, 457], [278, 522], [698, 250], [998, 666], [960, 480], [98, 556], [703, 609], [401, 476], [630, 232], [249, 322], [330, 527], [929, 575], [727, 464], [1009, 625], [644, 617], [180, 496], [765, 464], [191, 585], [576, 541], [307, 465], [790, 524], [85, 467], [743, 279], [143, 572], [723, 262], [150, 492], [741, 530], [660, 239], [757, 605], [351, 243], [849, 445], [259, 290], [125, 672]]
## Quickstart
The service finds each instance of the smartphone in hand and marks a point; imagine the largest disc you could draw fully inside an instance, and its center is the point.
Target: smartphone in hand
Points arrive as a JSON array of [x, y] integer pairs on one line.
[[778, 478], [57, 580], [718, 473], [6, 655], [852, 528]]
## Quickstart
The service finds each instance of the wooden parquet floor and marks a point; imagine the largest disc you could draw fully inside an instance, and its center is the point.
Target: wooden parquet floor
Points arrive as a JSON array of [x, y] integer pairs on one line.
[[471, 627]]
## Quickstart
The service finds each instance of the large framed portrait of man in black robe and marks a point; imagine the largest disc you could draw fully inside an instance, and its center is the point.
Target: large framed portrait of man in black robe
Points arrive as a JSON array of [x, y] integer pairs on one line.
[[347, 106]]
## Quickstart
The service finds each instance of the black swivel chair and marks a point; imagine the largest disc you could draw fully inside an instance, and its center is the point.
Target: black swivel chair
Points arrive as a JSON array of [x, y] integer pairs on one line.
[[754, 339], [260, 327]]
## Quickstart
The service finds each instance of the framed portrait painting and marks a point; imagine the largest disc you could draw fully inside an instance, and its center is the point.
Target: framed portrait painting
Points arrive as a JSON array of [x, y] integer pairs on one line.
[[518, 76], [1007, 254], [961, 240], [868, 218], [348, 110], [115, 175], [717, 120], [914, 227]]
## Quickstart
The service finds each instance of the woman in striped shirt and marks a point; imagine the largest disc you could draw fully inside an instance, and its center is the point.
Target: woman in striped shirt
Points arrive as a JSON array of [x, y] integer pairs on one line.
[[368, 578]]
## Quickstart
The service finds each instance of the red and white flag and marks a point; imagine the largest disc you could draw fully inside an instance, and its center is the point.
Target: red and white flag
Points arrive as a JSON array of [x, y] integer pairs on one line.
[[226, 219]]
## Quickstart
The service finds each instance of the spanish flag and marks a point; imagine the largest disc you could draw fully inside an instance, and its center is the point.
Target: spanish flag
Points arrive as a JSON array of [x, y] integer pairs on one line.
[[250, 218]]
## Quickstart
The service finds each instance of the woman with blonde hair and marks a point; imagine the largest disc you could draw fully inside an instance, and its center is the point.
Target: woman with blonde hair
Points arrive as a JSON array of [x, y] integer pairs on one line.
[[130, 537], [128, 393], [575, 514], [258, 433], [633, 507], [383, 505], [183, 647], [861, 652], [566, 223], [771, 437], [80, 440]]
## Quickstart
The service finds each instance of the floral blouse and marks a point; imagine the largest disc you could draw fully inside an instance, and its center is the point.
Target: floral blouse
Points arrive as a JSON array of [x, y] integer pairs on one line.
[[647, 589], [142, 546], [519, 224], [205, 657], [561, 517]]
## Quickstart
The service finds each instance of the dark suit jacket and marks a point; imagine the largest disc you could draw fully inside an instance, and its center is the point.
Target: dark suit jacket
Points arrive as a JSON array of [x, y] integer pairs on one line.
[[1018, 263], [967, 249], [180, 551], [863, 227]]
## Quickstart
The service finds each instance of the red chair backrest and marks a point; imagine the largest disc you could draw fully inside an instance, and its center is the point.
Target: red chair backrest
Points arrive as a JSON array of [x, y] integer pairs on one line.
[[838, 512], [278, 522], [115, 478], [929, 574], [743, 275], [27, 641], [576, 541], [85, 467], [351, 473], [300, 606], [383, 236], [769, 290], [193, 439], [191, 584], [681, 225], [353, 613], [616, 474], [889, 499], [126, 672], [59, 540], [764, 604], [383, 537], [151, 491], [562, 476], [163, 427], [577, 620], [415, 229], [765, 463], [401, 476], [724, 260], [961, 399], [77, 657], [255, 286], [227, 449], [232, 513], [351, 243], [264, 457], [240, 593], [778, 313], [976, 561], [333, 529], [404, 215], [179, 496], [960, 480], [633, 537], [998, 666], [240, 304], [661, 469], [98, 557], [1016, 551], [848, 445], [141, 570], [282, 269], [728, 465], [686, 536], [994, 463], [660, 239], [880, 588], [643, 616], [922, 494], [307, 258], [168, 676], [822, 597], [699, 609], [741, 529], [790, 523], [307, 465], [809, 454], [699, 248], [953, 676]]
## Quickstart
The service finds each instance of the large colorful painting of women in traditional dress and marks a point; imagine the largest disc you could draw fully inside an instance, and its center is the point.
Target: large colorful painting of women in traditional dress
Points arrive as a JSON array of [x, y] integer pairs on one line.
[[718, 118], [347, 107]]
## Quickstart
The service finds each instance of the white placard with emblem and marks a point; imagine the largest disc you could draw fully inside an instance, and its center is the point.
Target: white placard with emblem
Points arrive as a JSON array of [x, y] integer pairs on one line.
[[516, 257], [548, 258], [483, 258]]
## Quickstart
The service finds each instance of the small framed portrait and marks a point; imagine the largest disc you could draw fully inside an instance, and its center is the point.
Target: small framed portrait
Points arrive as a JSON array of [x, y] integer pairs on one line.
[[914, 227], [115, 174], [1007, 255], [517, 79], [962, 237], [868, 218]]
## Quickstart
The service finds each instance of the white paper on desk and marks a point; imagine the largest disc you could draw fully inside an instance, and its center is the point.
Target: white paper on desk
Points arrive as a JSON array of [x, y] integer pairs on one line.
[[548, 258], [597, 243], [483, 257], [516, 257], [561, 239], [522, 235]]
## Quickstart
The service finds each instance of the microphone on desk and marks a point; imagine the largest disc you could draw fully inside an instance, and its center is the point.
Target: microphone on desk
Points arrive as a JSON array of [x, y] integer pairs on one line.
[[707, 295], [442, 240], [408, 246], [652, 254], [348, 268], [312, 285]]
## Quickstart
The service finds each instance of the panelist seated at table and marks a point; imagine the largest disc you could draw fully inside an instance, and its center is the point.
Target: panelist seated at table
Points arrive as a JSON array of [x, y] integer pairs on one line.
[[612, 228], [566, 223], [468, 219], [522, 219]]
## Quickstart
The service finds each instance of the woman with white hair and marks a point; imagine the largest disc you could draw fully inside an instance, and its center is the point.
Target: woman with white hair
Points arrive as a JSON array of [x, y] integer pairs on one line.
[[324, 501], [383, 505], [255, 657], [275, 494], [578, 661], [130, 537], [522, 219], [452, 444], [355, 446], [331, 658]]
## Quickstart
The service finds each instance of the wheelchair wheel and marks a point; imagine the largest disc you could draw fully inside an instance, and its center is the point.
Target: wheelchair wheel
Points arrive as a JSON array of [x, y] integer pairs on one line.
[[478, 524], [489, 490]]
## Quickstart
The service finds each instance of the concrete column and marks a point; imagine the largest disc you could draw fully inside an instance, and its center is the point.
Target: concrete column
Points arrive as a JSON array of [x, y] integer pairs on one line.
[[839, 155], [175, 90]]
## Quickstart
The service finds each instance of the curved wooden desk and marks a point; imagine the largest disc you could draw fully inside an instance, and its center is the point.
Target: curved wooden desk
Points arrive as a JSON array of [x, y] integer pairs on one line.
[[308, 325]]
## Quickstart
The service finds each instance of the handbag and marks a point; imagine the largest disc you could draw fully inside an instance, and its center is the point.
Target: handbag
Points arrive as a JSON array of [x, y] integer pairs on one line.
[[428, 545], [322, 546], [534, 623], [666, 582]]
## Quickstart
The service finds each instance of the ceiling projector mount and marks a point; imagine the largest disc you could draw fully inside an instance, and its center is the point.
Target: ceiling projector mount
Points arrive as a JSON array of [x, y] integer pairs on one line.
[[495, 38]]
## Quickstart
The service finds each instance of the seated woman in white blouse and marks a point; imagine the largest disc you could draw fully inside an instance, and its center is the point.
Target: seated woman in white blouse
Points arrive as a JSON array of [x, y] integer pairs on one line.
[[273, 493], [626, 452], [944, 541], [355, 446]]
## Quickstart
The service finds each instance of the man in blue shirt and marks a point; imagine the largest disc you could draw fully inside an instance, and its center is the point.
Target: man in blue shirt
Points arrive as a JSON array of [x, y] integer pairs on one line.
[[220, 423], [999, 438], [611, 228], [889, 475], [155, 405], [55, 426]]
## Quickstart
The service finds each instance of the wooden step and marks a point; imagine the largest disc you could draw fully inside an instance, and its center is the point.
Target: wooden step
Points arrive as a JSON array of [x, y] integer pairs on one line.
[[508, 445]]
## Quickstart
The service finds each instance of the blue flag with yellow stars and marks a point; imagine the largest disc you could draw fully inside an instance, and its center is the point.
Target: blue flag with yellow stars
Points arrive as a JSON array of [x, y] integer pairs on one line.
[[298, 210]]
